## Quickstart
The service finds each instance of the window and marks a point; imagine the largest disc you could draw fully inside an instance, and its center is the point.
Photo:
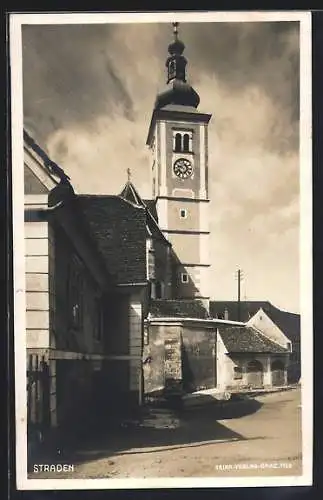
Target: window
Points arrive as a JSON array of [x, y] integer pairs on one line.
[[237, 372], [183, 213], [178, 142], [182, 141], [150, 255], [171, 69], [158, 290], [184, 278], [186, 143]]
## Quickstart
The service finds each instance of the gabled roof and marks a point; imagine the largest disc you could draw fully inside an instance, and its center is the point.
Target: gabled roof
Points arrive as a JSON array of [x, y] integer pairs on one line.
[[131, 194], [151, 205], [240, 339], [288, 322], [189, 308], [50, 165], [119, 228]]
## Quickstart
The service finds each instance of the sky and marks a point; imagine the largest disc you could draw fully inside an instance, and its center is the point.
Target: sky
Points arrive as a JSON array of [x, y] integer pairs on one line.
[[89, 92]]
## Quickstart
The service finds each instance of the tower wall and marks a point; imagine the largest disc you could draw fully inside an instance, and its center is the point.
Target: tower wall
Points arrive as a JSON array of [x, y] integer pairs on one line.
[[178, 138]]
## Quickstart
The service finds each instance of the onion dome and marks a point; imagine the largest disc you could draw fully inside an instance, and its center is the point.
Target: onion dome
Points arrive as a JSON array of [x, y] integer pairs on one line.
[[178, 91]]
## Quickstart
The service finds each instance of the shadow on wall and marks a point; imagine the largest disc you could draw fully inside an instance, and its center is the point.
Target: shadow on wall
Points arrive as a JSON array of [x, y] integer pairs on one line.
[[183, 285], [187, 372]]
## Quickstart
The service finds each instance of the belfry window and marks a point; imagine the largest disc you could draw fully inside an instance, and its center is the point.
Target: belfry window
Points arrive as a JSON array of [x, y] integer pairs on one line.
[[178, 142], [186, 143], [182, 141]]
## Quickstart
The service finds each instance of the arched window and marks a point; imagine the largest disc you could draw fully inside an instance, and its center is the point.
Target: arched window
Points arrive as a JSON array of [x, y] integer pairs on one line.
[[158, 290], [186, 143], [171, 69], [178, 142]]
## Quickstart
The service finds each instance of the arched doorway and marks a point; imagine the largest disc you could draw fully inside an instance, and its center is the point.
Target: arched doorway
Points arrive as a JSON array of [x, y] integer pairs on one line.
[[278, 373], [255, 375]]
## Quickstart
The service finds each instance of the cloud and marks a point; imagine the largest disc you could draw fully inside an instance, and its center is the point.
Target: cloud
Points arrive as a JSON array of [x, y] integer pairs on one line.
[[88, 98]]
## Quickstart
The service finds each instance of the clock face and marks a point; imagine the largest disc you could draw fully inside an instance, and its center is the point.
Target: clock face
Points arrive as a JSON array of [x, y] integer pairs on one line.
[[183, 168]]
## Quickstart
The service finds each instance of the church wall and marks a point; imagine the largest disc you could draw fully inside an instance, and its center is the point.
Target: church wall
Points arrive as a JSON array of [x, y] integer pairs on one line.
[[190, 289], [173, 181], [186, 247], [205, 282], [179, 356], [157, 156], [188, 223], [163, 348], [135, 342], [199, 358], [163, 267]]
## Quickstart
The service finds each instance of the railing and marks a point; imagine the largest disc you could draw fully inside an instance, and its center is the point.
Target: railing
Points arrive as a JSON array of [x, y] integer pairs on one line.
[[38, 396]]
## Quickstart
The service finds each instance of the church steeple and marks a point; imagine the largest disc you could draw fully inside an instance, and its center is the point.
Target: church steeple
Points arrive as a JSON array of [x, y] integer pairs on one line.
[[176, 62], [178, 140], [179, 91]]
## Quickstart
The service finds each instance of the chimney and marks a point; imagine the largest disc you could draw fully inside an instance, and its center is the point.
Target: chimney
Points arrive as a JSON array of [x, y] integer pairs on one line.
[[226, 314]]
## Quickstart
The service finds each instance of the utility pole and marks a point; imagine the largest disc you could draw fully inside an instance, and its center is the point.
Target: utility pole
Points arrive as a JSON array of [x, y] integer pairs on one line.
[[239, 276]]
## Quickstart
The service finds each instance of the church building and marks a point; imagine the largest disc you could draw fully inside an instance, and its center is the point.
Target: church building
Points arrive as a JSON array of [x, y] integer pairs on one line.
[[118, 302], [183, 339]]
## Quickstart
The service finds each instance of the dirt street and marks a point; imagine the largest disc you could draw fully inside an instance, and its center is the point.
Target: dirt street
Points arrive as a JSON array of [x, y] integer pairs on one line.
[[262, 437]]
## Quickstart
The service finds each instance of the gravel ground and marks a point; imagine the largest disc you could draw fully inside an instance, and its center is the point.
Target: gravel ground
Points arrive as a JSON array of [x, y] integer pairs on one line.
[[207, 441]]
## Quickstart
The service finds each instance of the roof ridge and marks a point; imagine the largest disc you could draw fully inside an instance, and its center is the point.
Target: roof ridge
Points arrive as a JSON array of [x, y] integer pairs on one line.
[[129, 186], [112, 196]]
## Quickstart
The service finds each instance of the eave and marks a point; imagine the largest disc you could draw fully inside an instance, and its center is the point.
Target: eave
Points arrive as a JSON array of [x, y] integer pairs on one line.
[[167, 114], [177, 321]]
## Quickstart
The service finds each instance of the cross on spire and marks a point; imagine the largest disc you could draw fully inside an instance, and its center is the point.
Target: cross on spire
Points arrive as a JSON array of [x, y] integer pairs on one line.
[[129, 174], [175, 30]]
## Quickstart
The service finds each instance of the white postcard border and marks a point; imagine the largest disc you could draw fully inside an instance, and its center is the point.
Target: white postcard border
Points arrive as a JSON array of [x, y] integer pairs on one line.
[[16, 22]]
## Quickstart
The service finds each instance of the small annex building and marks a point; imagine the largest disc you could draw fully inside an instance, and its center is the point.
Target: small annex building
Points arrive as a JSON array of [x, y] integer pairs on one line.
[[279, 326]]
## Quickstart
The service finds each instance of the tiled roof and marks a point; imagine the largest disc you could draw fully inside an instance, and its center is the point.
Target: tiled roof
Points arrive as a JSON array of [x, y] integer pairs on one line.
[[246, 339], [289, 323], [120, 231], [151, 205], [178, 308], [130, 193]]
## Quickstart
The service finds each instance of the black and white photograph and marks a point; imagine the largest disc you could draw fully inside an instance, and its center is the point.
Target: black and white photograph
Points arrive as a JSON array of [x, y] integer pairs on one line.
[[162, 248]]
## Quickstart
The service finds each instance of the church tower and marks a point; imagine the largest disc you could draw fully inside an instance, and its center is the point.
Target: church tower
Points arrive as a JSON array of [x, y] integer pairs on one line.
[[178, 140]]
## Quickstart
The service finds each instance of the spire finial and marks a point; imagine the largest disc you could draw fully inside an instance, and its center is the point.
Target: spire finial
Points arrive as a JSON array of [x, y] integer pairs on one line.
[[175, 31], [129, 174]]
